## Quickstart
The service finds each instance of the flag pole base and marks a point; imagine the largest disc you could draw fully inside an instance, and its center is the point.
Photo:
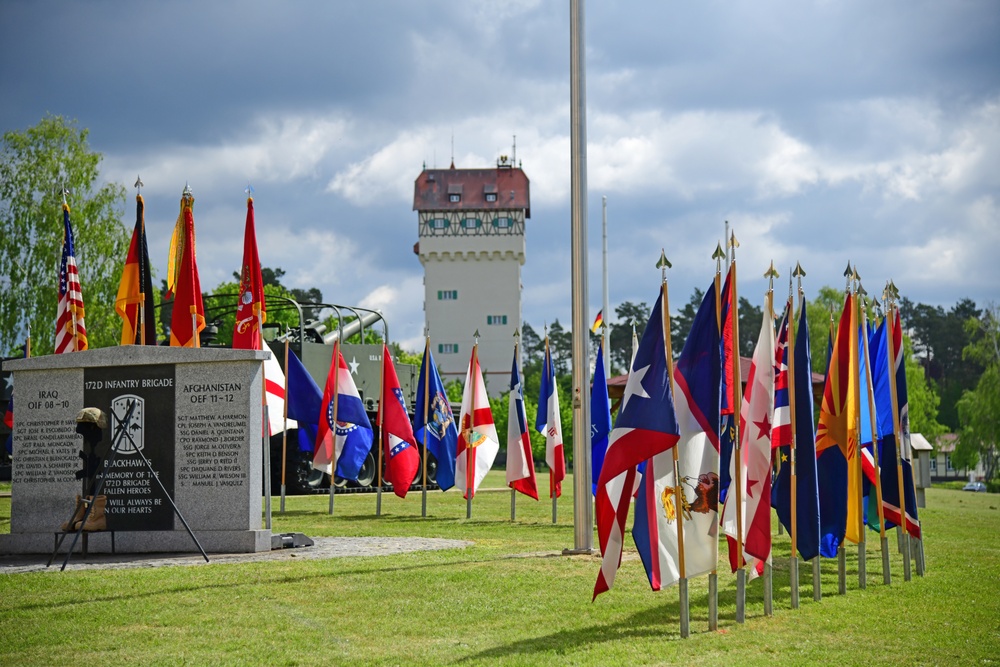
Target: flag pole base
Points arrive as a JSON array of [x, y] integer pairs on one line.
[[513, 504], [907, 573], [713, 601], [842, 570], [682, 587], [555, 506], [282, 510], [862, 566], [768, 590], [331, 496], [919, 553], [378, 501], [741, 595], [581, 552], [468, 507], [886, 570], [817, 581], [794, 570], [423, 501]]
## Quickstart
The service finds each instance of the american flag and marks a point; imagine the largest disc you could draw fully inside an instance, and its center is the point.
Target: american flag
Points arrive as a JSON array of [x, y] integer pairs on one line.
[[71, 333]]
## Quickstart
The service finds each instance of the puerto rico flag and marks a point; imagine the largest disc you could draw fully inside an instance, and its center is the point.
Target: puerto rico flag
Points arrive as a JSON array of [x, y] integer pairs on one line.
[[520, 463], [646, 426], [344, 444], [699, 382], [399, 446], [478, 443], [549, 422]]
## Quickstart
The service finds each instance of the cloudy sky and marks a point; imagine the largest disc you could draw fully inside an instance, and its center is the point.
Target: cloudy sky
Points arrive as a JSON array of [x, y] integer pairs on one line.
[[823, 131]]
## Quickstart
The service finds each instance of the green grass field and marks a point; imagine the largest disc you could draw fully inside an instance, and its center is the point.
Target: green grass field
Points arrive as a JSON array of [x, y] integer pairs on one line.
[[511, 599]]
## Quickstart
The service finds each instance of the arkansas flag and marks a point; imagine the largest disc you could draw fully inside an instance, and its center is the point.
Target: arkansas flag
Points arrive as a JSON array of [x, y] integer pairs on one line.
[[342, 445], [399, 446], [756, 415], [478, 443], [698, 379], [251, 310], [646, 426], [520, 463], [549, 422]]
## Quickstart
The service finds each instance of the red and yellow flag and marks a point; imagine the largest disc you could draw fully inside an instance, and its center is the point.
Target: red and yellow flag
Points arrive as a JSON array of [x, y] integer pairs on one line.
[[188, 316], [838, 413], [135, 290], [251, 304]]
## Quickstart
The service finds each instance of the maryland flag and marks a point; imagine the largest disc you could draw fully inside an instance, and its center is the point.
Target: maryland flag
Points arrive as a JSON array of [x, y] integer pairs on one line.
[[838, 412], [188, 316], [135, 290], [246, 331]]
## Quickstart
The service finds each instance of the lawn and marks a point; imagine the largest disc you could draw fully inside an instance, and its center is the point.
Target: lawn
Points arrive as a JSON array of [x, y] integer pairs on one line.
[[510, 599]]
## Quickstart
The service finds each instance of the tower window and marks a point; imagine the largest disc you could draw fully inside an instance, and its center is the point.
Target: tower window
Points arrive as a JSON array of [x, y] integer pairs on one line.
[[501, 223], [448, 295], [438, 223], [471, 223], [496, 320], [491, 196], [447, 348], [454, 198]]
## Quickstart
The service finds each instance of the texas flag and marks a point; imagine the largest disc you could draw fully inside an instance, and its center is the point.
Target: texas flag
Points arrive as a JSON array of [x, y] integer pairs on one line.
[[478, 443], [520, 463], [399, 446], [756, 415], [344, 439], [549, 422]]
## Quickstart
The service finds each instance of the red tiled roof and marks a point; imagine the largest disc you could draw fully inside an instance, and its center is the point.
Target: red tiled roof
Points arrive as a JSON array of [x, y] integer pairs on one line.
[[510, 184]]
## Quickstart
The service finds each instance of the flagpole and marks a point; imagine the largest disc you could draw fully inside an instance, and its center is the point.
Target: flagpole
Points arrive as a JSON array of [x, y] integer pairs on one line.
[[768, 581], [858, 471], [333, 449], [793, 531], [550, 375], [284, 432], [713, 578], [682, 582], [605, 335], [741, 580], [427, 398], [265, 427], [69, 302], [513, 491], [883, 540], [899, 436], [381, 433], [470, 451], [842, 549], [140, 211]]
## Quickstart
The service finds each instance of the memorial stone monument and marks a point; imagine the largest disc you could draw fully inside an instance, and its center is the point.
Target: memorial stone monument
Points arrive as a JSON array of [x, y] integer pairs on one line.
[[195, 413]]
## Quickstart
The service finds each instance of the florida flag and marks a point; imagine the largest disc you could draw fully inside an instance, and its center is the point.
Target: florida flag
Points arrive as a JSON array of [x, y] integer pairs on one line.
[[399, 446], [549, 422], [698, 379], [520, 464], [756, 417], [646, 426], [342, 445], [478, 443]]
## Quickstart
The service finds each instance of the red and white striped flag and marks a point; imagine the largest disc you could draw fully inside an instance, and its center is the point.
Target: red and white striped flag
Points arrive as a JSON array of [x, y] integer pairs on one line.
[[71, 332]]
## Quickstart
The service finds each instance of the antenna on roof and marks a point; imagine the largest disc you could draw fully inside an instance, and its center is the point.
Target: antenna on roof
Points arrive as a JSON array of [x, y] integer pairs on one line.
[[453, 148], [513, 151]]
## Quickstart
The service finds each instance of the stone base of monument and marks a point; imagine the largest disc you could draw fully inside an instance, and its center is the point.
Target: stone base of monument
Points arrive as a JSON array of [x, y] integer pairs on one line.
[[195, 414]]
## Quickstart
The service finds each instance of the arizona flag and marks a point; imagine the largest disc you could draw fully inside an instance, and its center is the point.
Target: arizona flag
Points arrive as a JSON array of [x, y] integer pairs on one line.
[[433, 421], [838, 415], [251, 310], [478, 443], [71, 332], [135, 290], [646, 426], [698, 379], [399, 445], [187, 318], [520, 463], [549, 422], [600, 419], [347, 441], [756, 417]]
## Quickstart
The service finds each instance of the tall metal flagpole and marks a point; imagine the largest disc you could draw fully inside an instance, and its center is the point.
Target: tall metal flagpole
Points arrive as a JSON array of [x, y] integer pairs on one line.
[[793, 533], [333, 453], [470, 451], [682, 582], [513, 491], [284, 432], [427, 399], [713, 578], [768, 578], [858, 472], [583, 512], [381, 434], [141, 315], [605, 308], [897, 426]]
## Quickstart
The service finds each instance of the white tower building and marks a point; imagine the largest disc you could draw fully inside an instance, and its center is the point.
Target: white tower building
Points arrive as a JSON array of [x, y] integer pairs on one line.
[[471, 244]]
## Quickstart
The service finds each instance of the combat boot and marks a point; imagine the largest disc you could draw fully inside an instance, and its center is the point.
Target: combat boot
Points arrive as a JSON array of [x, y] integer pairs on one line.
[[97, 519], [81, 507]]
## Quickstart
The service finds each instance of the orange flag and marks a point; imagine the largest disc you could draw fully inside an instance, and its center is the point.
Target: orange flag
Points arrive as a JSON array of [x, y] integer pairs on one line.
[[188, 316]]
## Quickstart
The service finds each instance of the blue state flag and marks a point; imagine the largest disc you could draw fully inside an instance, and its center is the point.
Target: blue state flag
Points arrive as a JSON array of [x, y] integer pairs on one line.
[[305, 400], [434, 421], [600, 419]]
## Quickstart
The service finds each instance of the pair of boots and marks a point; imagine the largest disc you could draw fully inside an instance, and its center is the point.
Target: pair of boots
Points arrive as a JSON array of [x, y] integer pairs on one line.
[[97, 519]]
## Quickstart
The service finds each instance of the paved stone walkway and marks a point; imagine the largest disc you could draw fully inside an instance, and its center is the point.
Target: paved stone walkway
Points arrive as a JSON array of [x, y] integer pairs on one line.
[[325, 547]]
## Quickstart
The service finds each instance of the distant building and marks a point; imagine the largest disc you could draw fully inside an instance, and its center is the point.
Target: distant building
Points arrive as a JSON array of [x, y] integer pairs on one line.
[[471, 244]]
